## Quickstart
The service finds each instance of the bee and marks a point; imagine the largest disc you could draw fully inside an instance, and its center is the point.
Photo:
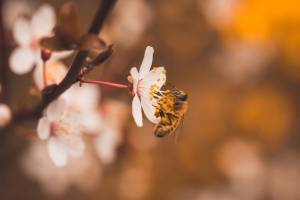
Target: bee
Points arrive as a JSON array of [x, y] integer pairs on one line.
[[171, 108]]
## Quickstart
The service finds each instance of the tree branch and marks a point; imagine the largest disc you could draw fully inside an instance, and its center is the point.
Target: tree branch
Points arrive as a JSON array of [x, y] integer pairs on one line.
[[74, 70], [3, 57]]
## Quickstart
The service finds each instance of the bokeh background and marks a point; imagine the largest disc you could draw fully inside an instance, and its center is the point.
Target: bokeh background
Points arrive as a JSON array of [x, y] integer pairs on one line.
[[239, 62]]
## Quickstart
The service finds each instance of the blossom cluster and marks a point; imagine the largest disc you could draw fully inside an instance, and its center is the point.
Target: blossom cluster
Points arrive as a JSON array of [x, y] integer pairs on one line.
[[66, 118], [77, 111], [76, 124]]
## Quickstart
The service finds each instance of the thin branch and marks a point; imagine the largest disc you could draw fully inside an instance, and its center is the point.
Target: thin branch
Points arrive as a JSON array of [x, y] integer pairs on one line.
[[101, 57], [44, 74], [72, 76], [3, 56]]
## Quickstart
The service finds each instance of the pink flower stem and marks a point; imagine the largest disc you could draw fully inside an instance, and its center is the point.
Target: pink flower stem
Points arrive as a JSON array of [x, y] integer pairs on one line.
[[117, 85], [44, 74], [45, 55]]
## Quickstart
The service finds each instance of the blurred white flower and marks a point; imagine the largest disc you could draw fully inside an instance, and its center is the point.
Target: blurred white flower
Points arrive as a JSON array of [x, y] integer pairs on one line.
[[85, 99], [106, 144], [105, 122], [242, 61], [27, 34], [5, 115], [62, 130], [115, 115], [55, 72], [130, 20], [146, 86], [242, 164], [218, 13], [83, 172]]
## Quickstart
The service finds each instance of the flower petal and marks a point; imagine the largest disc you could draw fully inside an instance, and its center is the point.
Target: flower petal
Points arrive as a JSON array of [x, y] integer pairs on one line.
[[147, 87], [157, 76], [154, 80], [149, 109], [147, 62], [56, 109], [55, 72], [43, 21], [43, 128], [21, 60], [71, 121], [92, 122], [106, 144], [135, 78], [61, 55], [137, 111], [83, 98], [73, 144], [22, 32], [56, 152], [5, 114]]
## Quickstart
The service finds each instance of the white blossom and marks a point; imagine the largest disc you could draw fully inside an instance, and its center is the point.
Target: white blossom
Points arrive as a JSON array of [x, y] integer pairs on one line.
[[83, 173], [146, 86], [115, 115], [219, 13], [85, 99], [27, 34], [62, 130], [55, 72]]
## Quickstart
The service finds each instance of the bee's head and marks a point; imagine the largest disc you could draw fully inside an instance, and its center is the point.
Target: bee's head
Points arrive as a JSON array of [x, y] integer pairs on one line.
[[183, 97], [180, 95]]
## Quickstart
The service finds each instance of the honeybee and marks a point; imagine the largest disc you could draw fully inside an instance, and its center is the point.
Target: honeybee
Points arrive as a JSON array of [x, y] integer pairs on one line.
[[171, 108]]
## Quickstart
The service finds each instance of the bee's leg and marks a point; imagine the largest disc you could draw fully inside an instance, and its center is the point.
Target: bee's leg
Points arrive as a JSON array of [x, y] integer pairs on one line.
[[177, 132]]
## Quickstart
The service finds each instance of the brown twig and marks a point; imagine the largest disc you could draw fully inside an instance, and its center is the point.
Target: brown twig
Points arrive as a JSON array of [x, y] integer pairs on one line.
[[99, 59], [54, 92], [44, 74], [3, 56]]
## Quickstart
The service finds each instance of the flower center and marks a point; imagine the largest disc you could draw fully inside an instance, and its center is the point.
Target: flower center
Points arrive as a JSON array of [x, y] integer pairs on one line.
[[58, 129]]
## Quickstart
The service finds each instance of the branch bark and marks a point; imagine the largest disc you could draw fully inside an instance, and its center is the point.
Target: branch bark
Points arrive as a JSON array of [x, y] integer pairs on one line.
[[3, 57], [74, 70]]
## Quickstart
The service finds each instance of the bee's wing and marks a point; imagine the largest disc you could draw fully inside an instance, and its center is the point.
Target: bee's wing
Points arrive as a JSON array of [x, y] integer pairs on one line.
[[178, 131]]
